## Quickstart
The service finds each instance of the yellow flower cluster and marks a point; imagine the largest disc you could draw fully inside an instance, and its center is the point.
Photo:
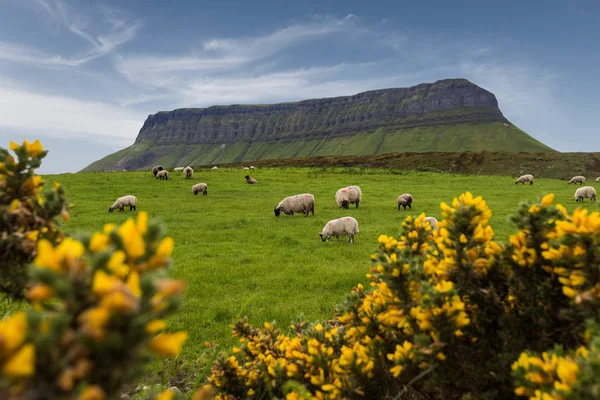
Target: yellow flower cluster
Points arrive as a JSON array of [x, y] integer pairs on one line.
[[98, 304], [16, 356]]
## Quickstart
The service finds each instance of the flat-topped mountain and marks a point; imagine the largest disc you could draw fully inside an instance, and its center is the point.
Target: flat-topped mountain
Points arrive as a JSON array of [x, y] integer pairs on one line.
[[448, 115]]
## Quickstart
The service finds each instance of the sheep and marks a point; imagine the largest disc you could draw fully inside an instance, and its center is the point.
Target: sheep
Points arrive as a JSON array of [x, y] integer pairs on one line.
[[178, 169], [156, 169], [188, 172], [162, 174], [577, 179], [348, 195], [300, 203], [252, 167], [525, 178], [585, 192], [215, 167], [250, 180], [200, 187], [245, 168], [405, 200], [598, 179], [433, 222], [122, 202], [339, 227]]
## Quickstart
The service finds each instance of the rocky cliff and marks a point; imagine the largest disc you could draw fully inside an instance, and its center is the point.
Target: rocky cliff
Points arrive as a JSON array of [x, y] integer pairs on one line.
[[448, 115]]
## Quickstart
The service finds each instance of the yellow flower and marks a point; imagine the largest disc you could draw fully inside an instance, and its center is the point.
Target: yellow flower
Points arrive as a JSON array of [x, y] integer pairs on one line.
[[104, 283], [166, 395], [22, 364], [14, 205], [34, 149], [521, 391], [40, 292], [133, 283], [99, 242], [119, 301], [13, 146], [116, 263], [33, 235], [156, 325], [441, 356], [12, 333], [547, 200], [567, 371], [205, 392], [168, 344], [94, 321], [92, 392], [567, 291], [132, 239], [165, 248]]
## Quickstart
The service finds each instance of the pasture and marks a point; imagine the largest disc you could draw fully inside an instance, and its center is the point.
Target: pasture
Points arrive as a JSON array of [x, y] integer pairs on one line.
[[237, 258]]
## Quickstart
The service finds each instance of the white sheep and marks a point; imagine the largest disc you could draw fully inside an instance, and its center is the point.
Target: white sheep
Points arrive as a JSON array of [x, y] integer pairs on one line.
[[577, 179], [585, 192], [348, 195], [250, 180], [339, 227], [122, 202], [200, 187], [188, 172], [162, 174], [156, 169], [525, 178], [178, 169], [405, 200], [245, 168], [252, 167], [433, 222], [598, 179], [300, 203], [215, 167]]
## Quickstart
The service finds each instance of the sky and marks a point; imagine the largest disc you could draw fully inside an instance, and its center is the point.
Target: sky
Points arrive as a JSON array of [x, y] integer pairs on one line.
[[83, 75]]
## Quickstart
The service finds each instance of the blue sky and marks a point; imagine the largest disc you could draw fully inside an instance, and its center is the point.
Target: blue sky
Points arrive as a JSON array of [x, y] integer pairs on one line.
[[82, 76]]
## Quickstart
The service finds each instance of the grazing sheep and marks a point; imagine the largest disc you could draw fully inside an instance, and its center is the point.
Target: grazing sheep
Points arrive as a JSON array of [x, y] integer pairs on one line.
[[178, 169], [577, 179], [245, 168], [122, 202], [250, 180], [433, 222], [156, 169], [585, 192], [405, 200], [200, 187], [348, 195], [252, 167], [188, 172], [162, 175], [598, 179], [339, 227], [300, 203], [215, 167], [525, 178]]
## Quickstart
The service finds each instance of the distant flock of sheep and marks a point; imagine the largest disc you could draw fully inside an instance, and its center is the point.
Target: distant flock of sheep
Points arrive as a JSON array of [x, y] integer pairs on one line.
[[584, 192], [344, 197]]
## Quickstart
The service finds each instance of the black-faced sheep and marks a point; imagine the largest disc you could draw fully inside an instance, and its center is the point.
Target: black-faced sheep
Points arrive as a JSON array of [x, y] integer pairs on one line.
[[156, 169], [122, 202], [577, 179], [405, 200], [348, 195], [162, 175], [200, 187], [585, 192], [250, 180], [188, 172], [300, 203], [525, 178], [339, 227]]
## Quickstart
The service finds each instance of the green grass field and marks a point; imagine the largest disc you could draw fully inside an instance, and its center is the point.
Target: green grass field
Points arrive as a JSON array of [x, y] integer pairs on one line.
[[239, 259]]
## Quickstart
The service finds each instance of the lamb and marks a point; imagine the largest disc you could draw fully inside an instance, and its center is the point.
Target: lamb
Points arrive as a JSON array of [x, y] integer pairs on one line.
[[339, 227], [122, 202], [585, 192], [525, 178], [348, 195], [200, 187], [250, 180], [178, 169], [405, 200], [188, 172], [577, 179], [300, 203], [163, 174], [433, 222], [156, 169]]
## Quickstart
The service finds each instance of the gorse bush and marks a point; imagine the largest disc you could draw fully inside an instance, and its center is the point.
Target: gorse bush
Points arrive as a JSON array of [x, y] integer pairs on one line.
[[98, 302], [26, 215], [449, 312]]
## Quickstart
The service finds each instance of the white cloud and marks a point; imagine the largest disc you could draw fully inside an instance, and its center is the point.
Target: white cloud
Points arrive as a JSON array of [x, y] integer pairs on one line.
[[66, 117]]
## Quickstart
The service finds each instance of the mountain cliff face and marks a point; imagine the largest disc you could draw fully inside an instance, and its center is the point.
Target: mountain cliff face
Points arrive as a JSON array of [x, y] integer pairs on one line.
[[448, 115]]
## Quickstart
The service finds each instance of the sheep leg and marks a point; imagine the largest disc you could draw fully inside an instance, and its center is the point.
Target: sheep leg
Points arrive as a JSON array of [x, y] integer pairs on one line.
[[205, 193], [351, 238], [357, 204]]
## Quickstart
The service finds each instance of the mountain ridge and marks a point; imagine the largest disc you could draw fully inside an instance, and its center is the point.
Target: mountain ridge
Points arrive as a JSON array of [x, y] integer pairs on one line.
[[447, 115]]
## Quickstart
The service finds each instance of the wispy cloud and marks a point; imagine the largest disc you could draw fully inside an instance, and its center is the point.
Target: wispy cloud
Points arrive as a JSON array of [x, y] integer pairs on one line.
[[103, 31]]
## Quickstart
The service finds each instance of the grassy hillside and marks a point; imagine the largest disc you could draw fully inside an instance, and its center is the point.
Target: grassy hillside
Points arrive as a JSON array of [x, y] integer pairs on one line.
[[238, 258], [453, 138]]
